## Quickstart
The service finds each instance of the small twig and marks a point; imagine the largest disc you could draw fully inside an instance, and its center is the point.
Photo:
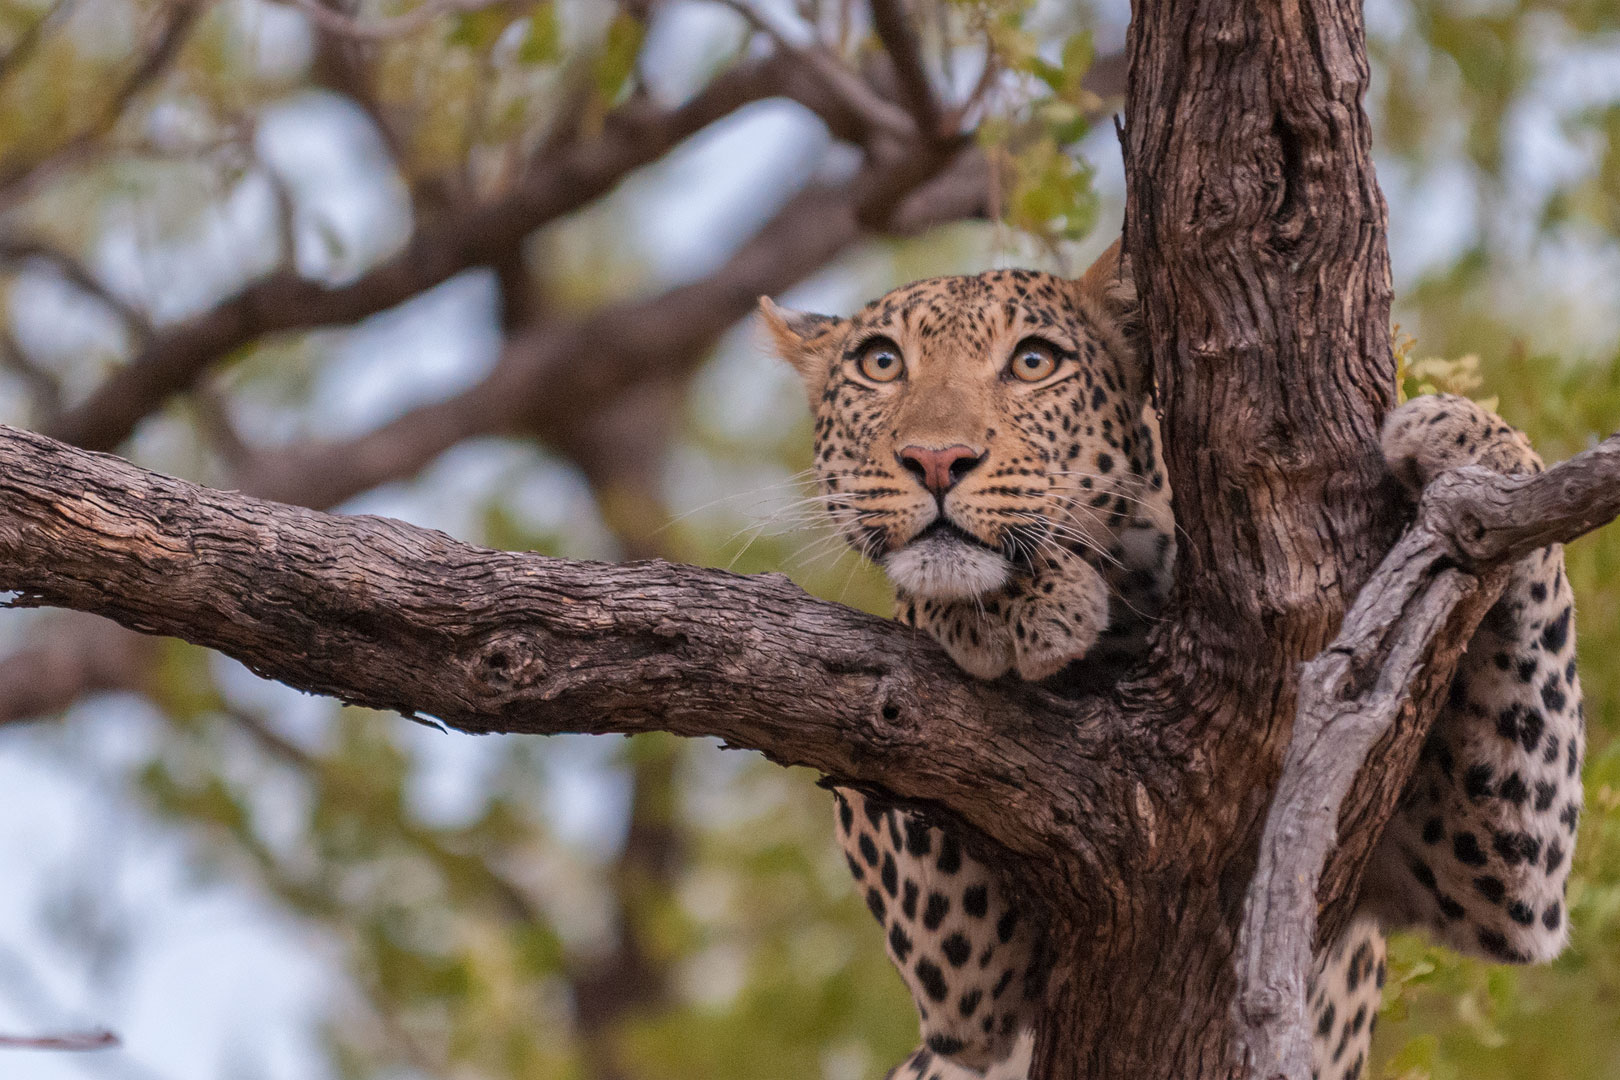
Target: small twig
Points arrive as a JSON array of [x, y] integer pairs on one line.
[[286, 215], [20, 180], [758, 22], [213, 411], [44, 386], [849, 89], [441, 246], [76, 273], [344, 65], [382, 29], [879, 113], [88, 1040], [512, 902], [962, 115], [576, 89]]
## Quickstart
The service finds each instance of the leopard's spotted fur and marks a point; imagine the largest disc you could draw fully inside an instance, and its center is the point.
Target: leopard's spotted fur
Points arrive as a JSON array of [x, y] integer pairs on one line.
[[1052, 540]]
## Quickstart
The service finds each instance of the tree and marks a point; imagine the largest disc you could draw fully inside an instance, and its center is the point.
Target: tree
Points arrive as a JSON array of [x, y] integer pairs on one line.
[[1264, 206]]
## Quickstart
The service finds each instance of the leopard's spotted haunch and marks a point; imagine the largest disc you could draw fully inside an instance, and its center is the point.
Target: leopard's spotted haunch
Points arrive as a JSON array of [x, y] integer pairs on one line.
[[989, 441]]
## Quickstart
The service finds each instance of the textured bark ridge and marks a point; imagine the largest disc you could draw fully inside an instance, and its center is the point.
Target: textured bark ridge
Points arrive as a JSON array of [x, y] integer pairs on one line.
[[1140, 815]]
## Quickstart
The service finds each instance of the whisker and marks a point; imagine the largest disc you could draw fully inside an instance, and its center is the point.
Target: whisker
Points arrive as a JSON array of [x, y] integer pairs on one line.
[[788, 481]]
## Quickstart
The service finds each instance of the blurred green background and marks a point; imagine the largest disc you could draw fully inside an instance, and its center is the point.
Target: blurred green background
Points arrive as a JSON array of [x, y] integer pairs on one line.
[[246, 883]]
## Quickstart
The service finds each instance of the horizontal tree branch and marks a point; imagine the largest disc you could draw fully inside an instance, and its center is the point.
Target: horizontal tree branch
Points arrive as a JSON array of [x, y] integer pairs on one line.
[[387, 615], [1393, 650], [535, 390]]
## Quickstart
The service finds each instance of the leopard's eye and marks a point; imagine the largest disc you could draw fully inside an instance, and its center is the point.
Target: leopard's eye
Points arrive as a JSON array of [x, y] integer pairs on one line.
[[879, 360], [1033, 360]]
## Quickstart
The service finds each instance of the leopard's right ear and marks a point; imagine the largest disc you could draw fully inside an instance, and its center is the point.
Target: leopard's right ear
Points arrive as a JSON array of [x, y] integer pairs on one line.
[[1109, 283], [804, 340], [1109, 290]]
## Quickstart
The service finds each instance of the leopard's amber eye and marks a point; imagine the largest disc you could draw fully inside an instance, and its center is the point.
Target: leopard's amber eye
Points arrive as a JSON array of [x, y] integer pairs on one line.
[[879, 360], [1033, 360]]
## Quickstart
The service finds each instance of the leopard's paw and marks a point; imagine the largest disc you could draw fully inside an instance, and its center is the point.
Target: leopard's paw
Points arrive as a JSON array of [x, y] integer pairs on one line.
[[974, 633], [1436, 432], [1063, 612], [983, 660]]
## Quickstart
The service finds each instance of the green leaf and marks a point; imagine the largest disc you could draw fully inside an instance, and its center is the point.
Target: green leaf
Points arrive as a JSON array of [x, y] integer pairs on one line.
[[542, 41], [619, 52], [479, 30]]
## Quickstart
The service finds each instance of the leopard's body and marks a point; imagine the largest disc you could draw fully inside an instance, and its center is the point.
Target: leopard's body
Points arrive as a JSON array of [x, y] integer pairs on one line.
[[989, 440]]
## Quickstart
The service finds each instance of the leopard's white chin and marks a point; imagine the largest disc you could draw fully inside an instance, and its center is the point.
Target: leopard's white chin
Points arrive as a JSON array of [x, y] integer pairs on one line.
[[944, 567]]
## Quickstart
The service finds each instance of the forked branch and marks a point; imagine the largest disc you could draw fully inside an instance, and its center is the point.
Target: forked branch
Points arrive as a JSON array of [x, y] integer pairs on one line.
[[1431, 589]]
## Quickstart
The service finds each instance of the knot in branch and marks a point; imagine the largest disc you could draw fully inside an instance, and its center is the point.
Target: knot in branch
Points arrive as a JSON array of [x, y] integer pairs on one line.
[[506, 661]]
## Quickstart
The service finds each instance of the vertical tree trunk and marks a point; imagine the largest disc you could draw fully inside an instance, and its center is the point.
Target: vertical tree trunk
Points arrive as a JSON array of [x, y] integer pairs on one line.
[[1257, 235]]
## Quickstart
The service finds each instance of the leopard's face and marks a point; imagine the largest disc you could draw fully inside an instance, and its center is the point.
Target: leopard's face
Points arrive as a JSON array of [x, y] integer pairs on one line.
[[963, 424]]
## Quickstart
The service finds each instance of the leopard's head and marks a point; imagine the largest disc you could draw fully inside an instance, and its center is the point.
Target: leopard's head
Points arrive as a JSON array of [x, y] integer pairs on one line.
[[961, 423]]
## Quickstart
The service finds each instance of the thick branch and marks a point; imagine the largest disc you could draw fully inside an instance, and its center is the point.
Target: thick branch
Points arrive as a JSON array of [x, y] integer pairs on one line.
[[1256, 235], [900, 42], [387, 615], [535, 390], [1404, 622]]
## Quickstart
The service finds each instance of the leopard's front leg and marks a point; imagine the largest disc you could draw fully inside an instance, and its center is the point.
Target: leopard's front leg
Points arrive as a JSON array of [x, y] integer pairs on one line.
[[1038, 623], [976, 633], [1056, 614]]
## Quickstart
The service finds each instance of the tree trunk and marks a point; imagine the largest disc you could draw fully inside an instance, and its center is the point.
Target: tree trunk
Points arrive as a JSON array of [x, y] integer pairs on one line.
[[1256, 233]]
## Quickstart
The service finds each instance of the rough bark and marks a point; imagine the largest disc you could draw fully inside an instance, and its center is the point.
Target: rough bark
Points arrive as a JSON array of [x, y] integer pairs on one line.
[[383, 614], [1256, 232]]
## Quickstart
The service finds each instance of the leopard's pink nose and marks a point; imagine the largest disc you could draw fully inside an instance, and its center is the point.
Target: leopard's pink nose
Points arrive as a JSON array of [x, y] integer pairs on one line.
[[939, 470]]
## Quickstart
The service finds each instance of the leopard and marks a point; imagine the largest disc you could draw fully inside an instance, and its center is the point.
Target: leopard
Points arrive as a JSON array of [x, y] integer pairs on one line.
[[991, 442]]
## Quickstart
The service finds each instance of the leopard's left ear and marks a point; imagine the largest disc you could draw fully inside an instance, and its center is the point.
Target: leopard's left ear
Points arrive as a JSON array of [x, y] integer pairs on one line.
[[805, 340]]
